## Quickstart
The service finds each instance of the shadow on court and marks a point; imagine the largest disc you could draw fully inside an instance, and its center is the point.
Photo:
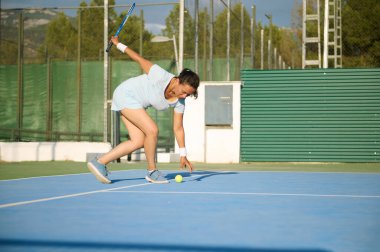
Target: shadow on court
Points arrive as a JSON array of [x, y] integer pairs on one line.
[[127, 179], [198, 175], [35, 245]]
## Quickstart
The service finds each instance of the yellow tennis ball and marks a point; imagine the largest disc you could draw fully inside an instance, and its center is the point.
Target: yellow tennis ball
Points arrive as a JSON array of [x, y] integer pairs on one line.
[[178, 178]]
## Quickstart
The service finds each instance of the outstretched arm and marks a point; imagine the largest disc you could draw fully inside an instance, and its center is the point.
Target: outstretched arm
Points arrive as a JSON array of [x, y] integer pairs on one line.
[[144, 63], [179, 133]]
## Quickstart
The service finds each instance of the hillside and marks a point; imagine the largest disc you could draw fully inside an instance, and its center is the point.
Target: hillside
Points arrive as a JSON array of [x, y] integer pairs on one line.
[[35, 26]]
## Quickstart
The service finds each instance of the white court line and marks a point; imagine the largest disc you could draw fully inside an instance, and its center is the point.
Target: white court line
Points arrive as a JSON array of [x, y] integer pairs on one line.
[[61, 175], [69, 196], [79, 194], [211, 171], [253, 194]]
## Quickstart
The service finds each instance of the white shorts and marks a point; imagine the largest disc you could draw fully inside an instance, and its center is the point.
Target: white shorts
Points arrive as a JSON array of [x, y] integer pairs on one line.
[[123, 98]]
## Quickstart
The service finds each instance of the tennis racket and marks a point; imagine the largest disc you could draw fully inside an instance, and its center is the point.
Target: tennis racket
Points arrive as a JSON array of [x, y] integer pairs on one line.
[[121, 26]]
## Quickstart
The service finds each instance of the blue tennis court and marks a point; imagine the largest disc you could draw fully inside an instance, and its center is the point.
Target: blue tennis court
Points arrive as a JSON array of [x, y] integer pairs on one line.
[[209, 211]]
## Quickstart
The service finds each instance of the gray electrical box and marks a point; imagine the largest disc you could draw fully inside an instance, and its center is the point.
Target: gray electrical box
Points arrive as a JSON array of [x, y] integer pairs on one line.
[[218, 105]]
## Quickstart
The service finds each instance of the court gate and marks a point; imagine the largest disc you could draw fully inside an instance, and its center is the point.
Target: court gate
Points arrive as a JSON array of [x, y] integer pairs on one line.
[[321, 115]]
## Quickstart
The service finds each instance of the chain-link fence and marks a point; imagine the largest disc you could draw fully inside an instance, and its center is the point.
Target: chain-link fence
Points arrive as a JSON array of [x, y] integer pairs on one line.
[[52, 72]]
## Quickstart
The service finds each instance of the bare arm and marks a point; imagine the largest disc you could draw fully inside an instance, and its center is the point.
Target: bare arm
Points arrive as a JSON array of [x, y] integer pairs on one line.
[[178, 129], [144, 63], [179, 133]]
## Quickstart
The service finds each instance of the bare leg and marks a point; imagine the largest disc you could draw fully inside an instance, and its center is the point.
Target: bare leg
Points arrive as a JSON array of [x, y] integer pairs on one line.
[[141, 119], [136, 142], [143, 131]]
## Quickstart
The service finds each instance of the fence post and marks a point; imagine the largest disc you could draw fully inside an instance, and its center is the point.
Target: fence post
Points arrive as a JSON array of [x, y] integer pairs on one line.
[[211, 29], [262, 50], [79, 77], [105, 73], [20, 79], [253, 29], [49, 121]]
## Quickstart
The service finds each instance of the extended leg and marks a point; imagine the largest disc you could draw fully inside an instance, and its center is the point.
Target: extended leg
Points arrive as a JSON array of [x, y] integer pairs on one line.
[[140, 119], [136, 142]]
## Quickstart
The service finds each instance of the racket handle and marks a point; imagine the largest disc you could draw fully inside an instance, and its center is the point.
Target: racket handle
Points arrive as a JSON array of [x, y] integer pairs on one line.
[[109, 46]]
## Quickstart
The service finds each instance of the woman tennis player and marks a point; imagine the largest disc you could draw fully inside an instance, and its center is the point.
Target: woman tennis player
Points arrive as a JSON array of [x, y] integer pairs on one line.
[[159, 89]]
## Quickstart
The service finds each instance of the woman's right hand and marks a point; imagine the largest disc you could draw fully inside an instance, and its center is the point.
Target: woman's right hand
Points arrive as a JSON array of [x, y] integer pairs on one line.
[[115, 40]]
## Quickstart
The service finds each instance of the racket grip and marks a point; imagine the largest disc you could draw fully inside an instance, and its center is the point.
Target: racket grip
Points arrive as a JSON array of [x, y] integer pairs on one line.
[[109, 46]]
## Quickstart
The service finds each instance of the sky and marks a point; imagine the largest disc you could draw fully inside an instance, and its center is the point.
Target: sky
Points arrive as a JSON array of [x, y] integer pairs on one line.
[[155, 15]]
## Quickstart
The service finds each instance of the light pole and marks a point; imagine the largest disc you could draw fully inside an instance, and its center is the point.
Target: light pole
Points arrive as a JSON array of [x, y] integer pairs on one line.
[[159, 39]]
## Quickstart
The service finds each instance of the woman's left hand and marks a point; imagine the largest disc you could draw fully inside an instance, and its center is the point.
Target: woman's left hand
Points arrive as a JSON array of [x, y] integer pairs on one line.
[[184, 163]]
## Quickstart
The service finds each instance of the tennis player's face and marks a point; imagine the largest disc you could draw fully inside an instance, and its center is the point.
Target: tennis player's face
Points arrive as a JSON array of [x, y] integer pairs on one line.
[[184, 90]]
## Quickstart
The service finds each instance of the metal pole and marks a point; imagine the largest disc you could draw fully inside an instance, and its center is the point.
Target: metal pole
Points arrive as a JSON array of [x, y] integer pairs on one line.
[[20, 78], [180, 42], [269, 64], [181, 28], [270, 42], [326, 36], [304, 33], [116, 133], [253, 28], [275, 58], [339, 34], [49, 110], [262, 50], [196, 36], [175, 53], [79, 77], [111, 128], [211, 38], [293, 58], [105, 72], [141, 30], [205, 47], [242, 36], [228, 38]]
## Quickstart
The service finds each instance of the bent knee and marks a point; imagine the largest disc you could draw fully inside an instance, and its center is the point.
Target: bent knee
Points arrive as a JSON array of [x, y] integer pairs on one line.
[[152, 131]]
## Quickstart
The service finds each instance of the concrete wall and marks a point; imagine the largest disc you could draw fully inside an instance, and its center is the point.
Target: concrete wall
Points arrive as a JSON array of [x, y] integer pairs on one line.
[[217, 144], [51, 151]]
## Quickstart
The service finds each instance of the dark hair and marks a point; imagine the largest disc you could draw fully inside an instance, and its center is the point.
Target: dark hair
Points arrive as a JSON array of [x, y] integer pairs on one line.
[[189, 77]]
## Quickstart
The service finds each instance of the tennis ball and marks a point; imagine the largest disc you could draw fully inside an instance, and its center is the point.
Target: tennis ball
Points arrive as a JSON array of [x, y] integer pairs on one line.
[[178, 178]]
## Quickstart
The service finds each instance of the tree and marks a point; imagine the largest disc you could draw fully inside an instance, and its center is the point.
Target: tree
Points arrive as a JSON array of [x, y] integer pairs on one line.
[[8, 51], [220, 31], [360, 23], [172, 28], [360, 26], [92, 20], [61, 38]]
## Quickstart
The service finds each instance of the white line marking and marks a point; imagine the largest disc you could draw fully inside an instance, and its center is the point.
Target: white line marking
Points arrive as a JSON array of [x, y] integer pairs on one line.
[[307, 172], [254, 194], [61, 175], [76, 194], [211, 171], [69, 196]]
